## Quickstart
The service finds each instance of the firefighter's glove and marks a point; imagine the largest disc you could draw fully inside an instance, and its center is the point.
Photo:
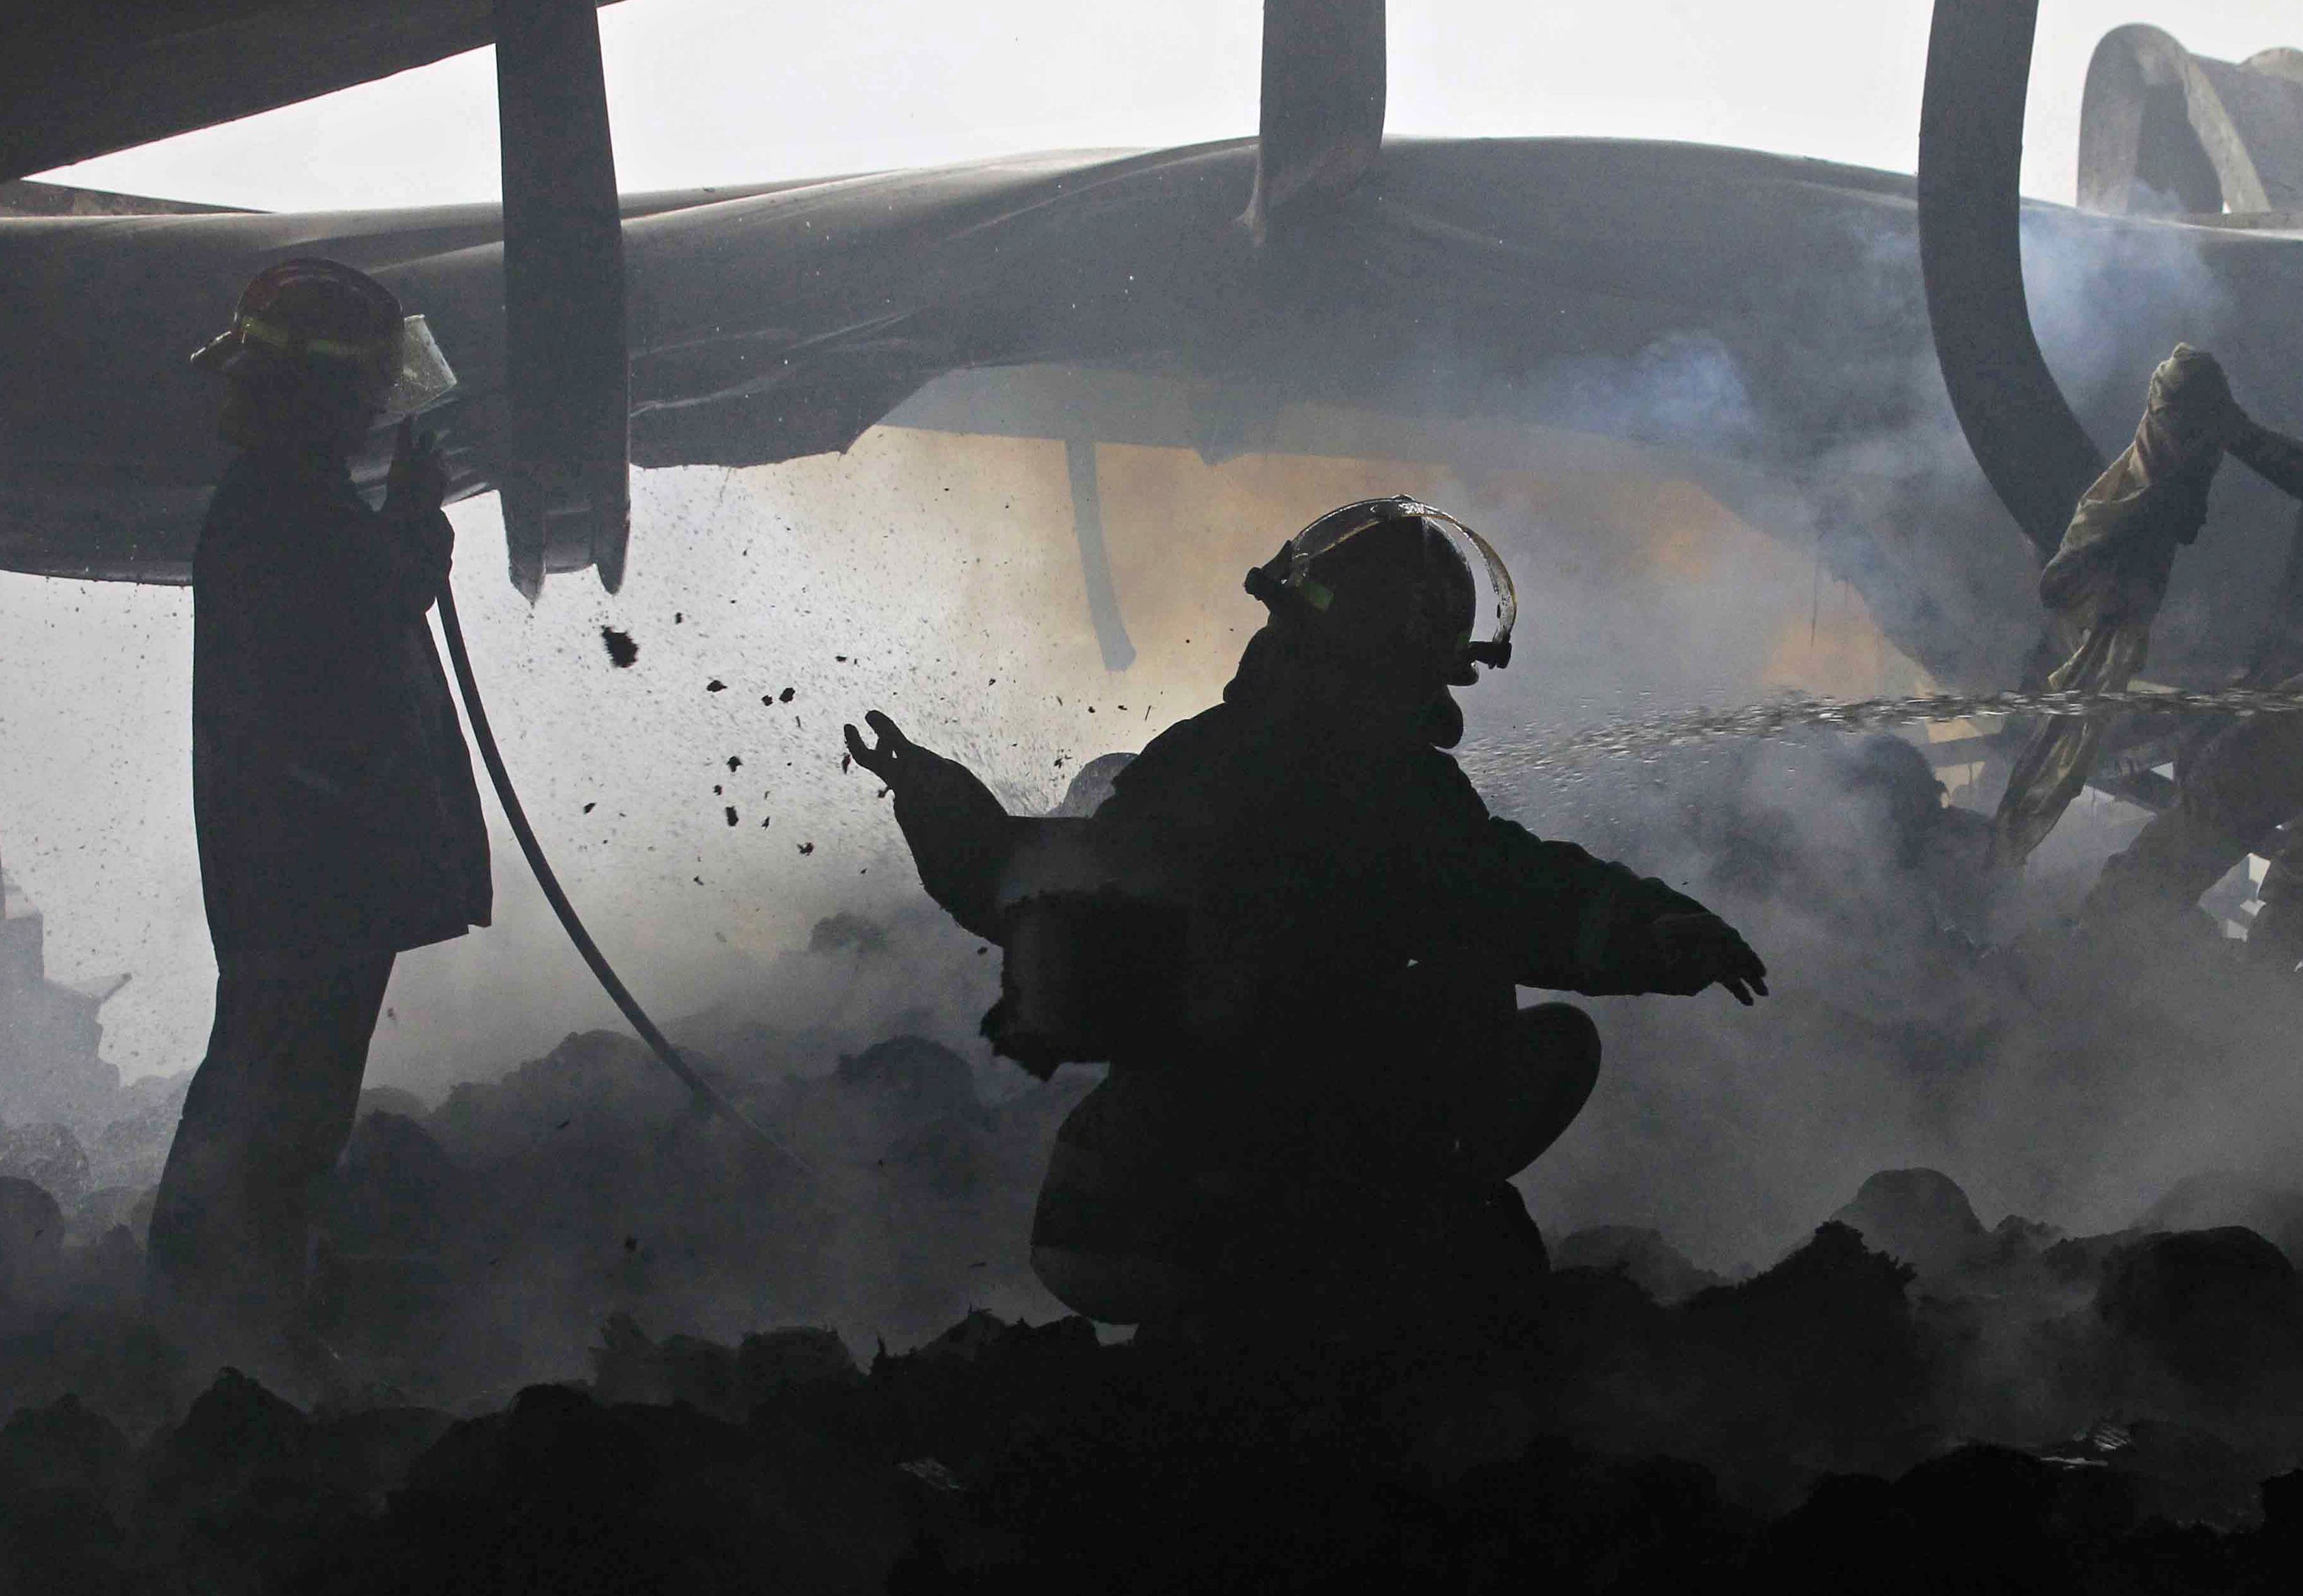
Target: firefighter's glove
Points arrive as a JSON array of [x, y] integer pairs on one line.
[[1693, 951], [418, 483], [413, 492], [894, 759], [923, 782]]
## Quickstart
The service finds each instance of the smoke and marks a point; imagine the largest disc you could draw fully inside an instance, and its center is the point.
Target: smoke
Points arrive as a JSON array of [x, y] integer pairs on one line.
[[1685, 389], [2107, 298], [704, 832], [2069, 1083], [96, 802]]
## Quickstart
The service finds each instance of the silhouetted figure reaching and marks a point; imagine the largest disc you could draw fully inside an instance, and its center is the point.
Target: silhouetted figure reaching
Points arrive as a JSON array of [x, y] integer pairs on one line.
[[337, 817], [1295, 930]]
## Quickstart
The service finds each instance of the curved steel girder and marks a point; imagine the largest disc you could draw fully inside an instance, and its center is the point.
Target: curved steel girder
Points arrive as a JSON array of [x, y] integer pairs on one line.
[[2032, 448], [2137, 76], [2163, 130]]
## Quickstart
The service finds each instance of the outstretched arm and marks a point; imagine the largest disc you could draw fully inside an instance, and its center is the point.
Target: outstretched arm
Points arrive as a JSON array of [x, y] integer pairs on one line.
[[960, 835], [1686, 953], [1551, 914]]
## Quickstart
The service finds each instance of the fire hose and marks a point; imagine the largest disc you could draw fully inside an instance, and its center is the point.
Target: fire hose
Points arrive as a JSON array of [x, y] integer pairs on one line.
[[707, 1096]]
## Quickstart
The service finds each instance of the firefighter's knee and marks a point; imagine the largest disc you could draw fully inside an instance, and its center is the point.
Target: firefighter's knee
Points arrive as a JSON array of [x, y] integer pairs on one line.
[[1561, 1040], [1548, 1079]]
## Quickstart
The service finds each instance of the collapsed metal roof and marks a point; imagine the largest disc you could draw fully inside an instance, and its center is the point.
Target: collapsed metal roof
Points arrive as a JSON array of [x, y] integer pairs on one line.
[[1753, 322], [84, 80]]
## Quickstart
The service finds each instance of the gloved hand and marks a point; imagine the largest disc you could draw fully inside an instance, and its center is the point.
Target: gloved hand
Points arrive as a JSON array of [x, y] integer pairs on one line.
[[418, 483], [1695, 950], [960, 833], [413, 492], [928, 787]]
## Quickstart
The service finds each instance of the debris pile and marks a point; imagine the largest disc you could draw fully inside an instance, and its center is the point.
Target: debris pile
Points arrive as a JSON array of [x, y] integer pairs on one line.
[[1788, 1429], [589, 1339]]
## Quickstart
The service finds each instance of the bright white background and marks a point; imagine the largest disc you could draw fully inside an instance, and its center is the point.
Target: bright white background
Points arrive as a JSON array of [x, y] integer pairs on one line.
[[709, 91]]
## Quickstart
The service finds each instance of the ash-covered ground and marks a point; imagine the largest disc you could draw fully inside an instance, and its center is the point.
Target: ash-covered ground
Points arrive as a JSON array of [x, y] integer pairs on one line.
[[592, 1339]]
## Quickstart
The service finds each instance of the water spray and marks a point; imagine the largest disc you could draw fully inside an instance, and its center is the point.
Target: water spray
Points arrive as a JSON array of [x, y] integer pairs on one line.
[[1645, 736]]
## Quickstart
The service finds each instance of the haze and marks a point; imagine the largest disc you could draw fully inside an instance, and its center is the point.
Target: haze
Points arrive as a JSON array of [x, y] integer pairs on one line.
[[94, 679]]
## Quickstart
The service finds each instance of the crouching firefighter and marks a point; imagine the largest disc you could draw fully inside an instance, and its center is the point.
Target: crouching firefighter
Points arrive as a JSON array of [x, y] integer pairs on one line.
[[1294, 931], [332, 796]]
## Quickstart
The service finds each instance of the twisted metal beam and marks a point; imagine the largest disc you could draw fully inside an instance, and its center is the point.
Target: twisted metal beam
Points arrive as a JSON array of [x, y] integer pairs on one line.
[[2031, 447]]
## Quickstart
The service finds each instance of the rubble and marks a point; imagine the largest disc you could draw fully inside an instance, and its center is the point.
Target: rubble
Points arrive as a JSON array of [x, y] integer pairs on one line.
[[1006, 1457], [2270, 1208], [586, 1341], [1918, 1215], [1642, 1255], [1644, 1426], [2221, 1309]]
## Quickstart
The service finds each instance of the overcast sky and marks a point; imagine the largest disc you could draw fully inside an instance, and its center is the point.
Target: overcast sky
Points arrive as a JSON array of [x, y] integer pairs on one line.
[[708, 91]]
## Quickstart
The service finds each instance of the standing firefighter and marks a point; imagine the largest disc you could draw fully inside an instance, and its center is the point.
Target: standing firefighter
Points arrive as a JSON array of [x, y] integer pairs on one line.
[[337, 818], [1294, 930]]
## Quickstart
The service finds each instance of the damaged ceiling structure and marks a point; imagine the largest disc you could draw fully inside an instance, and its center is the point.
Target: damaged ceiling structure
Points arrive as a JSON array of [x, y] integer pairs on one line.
[[1751, 323], [2166, 133]]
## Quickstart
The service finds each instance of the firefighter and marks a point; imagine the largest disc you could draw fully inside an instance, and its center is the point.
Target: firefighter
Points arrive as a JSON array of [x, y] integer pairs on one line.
[[1320, 1101], [338, 822]]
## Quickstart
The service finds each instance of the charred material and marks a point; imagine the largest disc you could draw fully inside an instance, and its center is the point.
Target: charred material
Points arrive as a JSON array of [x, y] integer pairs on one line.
[[1780, 1431]]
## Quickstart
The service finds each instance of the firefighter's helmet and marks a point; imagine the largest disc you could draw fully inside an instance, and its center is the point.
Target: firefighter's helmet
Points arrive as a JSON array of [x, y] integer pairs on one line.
[[1396, 573], [330, 319]]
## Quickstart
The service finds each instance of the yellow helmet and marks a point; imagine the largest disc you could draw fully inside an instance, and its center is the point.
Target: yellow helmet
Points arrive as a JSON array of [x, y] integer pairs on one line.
[[326, 316]]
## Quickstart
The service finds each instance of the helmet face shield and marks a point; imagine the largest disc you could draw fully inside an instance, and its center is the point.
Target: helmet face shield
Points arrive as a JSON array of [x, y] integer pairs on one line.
[[421, 376], [1290, 572]]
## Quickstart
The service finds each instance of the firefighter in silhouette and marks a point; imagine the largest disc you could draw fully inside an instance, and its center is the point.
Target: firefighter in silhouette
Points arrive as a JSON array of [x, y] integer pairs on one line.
[[332, 796], [1294, 930]]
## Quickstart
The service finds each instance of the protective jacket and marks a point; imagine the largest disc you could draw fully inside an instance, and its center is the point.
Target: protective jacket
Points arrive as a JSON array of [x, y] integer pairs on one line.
[[1344, 890], [1316, 865], [330, 788], [1354, 923]]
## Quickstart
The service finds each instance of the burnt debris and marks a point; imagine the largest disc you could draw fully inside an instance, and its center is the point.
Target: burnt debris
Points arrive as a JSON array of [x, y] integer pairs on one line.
[[578, 1332], [999, 1455]]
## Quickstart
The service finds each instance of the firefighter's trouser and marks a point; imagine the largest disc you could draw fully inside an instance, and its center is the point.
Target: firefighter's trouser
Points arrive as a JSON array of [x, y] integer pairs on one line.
[[268, 1115], [1154, 1198]]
